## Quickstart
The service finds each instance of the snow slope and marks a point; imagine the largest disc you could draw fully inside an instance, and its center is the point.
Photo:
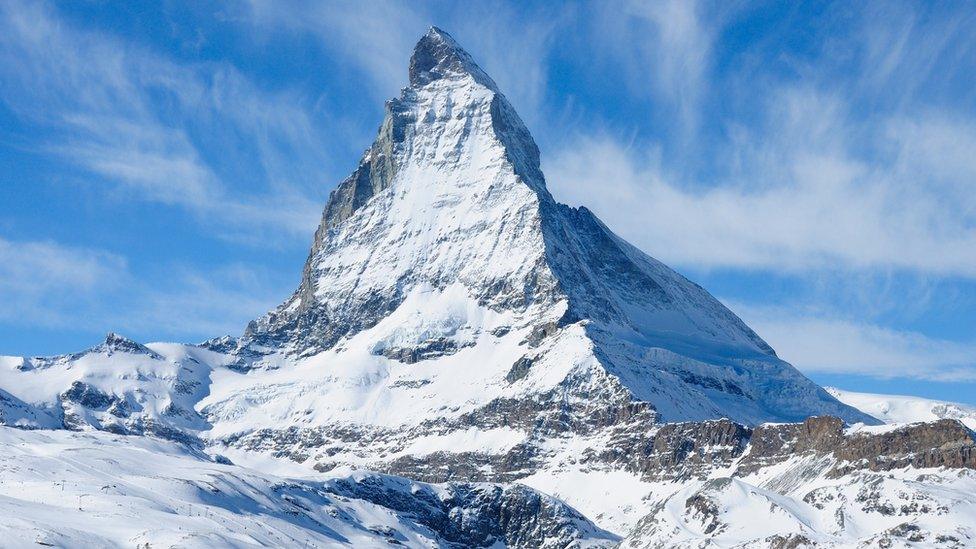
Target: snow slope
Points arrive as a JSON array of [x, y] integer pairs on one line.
[[64, 489], [905, 409], [862, 510], [119, 386]]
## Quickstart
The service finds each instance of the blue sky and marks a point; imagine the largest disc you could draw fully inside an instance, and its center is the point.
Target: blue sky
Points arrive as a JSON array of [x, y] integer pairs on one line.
[[163, 165]]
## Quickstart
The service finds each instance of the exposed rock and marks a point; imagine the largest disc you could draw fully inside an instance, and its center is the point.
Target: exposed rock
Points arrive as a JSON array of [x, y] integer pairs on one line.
[[943, 443], [85, 395], [770, 444], [114, 343], [432, 348], [481, 515], [519, 370]]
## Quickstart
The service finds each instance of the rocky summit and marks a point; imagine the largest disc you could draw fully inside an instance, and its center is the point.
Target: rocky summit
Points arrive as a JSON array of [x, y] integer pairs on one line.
[[456, 325]]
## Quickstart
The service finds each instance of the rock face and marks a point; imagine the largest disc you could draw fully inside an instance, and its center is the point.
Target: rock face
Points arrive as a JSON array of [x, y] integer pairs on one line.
[[455, 324], [479, 515]]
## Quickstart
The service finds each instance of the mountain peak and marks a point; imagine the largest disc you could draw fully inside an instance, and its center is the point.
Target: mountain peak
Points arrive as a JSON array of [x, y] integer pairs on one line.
[[119, 343], [438, 56]]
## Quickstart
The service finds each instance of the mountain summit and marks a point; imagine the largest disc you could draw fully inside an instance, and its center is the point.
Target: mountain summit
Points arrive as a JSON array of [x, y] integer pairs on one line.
[[444, 247], [438, 56]]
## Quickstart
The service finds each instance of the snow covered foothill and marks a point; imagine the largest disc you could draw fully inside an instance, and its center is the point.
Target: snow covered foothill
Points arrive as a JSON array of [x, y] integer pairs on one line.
[[896, 409], [906, 508], [79, 490], [119, 386]]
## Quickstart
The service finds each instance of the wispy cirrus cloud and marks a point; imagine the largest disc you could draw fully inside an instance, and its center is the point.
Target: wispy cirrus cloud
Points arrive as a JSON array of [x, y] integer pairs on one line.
[[37, 279], [823, 209], [161, 131], [833, 167], [661, 49], [378, 37]]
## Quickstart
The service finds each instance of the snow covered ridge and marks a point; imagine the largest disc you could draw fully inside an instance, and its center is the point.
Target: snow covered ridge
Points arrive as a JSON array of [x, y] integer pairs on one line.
[[455, 324], [895, 409]]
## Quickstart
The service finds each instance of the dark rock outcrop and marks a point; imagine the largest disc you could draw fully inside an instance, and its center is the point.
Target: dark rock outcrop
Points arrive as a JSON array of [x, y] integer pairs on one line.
[[480, 515], [942, 443]]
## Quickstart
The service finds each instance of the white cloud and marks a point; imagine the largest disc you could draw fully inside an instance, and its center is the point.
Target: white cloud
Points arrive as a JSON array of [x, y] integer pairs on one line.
[[377, 36], [816, 344], [47, 284], [38, 267], [661, 51], [200, 304], [38, 278], [162, 131], [802, 199], [823, 162]]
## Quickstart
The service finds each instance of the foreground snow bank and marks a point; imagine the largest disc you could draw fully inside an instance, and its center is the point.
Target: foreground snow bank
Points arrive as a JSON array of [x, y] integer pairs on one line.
[[69, 489]]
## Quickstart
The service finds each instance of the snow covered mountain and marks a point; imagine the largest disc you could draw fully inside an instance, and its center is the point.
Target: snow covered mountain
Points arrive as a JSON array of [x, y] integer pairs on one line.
[[443, 261], [895, 409], [455, 324]]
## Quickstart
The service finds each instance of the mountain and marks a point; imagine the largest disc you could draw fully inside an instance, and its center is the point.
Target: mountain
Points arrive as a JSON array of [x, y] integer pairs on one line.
[[518, 362], [446, 242], [895, 409]]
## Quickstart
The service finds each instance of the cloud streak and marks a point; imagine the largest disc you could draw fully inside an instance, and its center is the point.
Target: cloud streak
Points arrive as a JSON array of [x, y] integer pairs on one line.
[[165, 132], [377, 38], [832, 212], [37, 279], [850, 164], [816, 344], [51, 285]]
